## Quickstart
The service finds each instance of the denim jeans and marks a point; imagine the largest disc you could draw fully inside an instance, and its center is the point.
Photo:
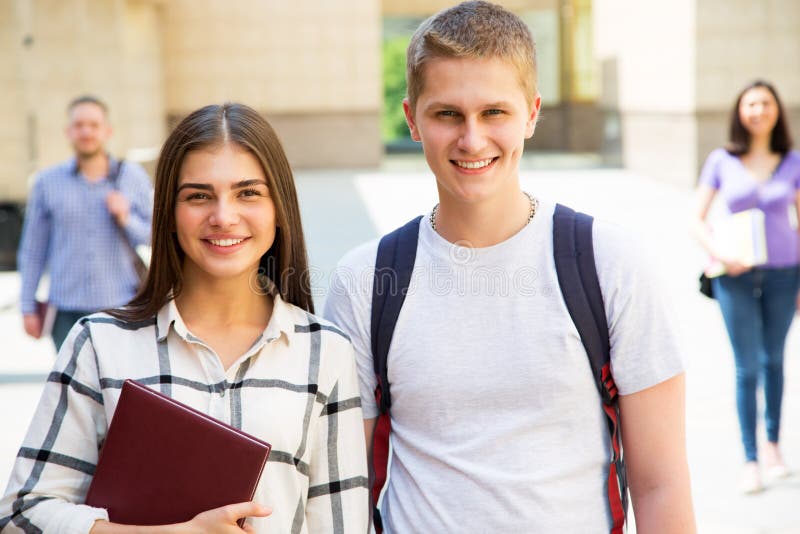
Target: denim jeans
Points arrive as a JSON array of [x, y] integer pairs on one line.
[[758, 307], [62, 324]]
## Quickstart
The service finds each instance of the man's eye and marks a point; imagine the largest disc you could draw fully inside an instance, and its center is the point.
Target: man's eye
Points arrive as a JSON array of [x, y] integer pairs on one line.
[[447, 113], [494, 112]]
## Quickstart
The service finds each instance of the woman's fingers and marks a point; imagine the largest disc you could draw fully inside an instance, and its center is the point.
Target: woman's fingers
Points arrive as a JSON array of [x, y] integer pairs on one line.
[[222, 519], [245, 509]]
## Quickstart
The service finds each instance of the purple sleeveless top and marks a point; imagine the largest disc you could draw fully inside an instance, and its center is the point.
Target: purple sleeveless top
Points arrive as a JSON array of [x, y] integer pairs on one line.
[[774, 197]]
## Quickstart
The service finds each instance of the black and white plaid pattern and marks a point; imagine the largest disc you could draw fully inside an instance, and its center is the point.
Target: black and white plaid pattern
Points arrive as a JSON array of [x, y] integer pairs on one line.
[[296, 388]]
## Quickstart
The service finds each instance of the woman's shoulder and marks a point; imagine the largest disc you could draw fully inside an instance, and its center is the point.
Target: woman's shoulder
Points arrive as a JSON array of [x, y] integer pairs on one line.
[[793, 156], [305, 321], [720, 154], [111, 320], [107, 329], [104, 340]]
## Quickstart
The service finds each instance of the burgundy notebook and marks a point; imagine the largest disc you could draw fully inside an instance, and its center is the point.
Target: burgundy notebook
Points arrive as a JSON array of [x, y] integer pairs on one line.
[[163, 462]]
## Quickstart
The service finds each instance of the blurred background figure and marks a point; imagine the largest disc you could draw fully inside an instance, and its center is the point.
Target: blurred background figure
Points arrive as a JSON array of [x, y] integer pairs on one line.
[[756, 170], [83, 220]]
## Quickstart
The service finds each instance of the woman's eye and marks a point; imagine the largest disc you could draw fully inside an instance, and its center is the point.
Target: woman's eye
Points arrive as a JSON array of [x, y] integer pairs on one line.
[[250, 193], [198, 196]]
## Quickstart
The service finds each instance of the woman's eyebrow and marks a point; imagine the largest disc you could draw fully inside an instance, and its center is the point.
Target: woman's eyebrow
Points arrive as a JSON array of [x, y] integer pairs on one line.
[[249, 183], [204, 187]]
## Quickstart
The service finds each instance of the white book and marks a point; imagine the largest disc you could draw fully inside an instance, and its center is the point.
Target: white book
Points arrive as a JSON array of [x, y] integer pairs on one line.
[[741, 236]]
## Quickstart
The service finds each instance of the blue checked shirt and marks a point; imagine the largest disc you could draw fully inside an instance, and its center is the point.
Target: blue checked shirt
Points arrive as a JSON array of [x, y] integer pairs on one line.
[[69, 231]]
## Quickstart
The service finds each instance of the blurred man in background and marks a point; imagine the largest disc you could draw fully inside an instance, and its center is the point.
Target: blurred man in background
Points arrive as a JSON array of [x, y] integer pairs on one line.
[[83, 219]]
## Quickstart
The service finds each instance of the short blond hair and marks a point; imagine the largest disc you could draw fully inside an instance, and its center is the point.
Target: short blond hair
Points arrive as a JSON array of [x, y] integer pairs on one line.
[[476, 30]]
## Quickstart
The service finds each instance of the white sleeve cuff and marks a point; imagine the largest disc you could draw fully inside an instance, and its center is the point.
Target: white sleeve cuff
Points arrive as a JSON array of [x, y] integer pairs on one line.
[[81, 518]]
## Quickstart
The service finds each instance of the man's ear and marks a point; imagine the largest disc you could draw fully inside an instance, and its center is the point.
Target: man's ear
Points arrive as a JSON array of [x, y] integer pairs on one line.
[[412, 126], [530, 126]]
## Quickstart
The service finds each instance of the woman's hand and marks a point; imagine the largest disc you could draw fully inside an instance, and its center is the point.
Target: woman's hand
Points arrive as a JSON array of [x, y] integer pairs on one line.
[[217, 521], [734, 267], [223, 520]]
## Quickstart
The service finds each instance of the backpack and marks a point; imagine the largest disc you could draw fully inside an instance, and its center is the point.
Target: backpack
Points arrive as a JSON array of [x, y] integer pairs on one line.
[[577, 277]]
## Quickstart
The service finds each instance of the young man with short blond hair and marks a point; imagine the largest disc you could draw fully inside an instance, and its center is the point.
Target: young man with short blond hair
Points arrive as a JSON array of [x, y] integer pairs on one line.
[[496, 421]]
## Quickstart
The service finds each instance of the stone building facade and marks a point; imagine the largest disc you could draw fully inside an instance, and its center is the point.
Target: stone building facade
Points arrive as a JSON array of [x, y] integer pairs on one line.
[[645, 82], [312, 68]]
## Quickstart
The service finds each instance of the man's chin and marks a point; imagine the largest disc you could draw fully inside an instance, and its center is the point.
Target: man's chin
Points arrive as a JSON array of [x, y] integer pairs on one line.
[[87, 154]]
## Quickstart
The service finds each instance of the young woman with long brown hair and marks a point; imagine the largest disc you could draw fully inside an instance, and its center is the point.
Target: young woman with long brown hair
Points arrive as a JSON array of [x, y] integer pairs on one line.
[[756, 170], [224, 324]]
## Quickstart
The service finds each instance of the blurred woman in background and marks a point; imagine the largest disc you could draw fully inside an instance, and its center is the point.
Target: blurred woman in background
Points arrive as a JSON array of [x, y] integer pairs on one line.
[[756, 170]]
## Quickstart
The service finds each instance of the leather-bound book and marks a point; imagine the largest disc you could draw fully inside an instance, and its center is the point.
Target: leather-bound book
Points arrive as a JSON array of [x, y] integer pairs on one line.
[[163, 462]]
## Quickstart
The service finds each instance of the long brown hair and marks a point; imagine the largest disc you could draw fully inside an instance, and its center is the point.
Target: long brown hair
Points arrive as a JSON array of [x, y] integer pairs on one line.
[[739, 137], [285, 263]]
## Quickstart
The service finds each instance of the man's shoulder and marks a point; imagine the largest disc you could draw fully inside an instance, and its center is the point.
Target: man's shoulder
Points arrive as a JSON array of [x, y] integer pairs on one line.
[[135, 170], [615, 246], [361, 257], [133, 166], [56, 172]]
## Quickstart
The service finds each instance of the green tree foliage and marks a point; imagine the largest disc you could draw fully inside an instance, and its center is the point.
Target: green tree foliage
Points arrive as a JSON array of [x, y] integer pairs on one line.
[[393, 123]]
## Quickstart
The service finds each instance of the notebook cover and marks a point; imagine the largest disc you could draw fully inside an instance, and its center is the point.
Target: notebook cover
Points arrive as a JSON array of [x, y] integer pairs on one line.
[[163, 462], [742, 236], [47, 316]]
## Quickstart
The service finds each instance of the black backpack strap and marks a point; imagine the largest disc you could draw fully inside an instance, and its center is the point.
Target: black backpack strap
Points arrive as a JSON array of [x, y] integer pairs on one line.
[[394, 265], [114, 172], [577, 276]]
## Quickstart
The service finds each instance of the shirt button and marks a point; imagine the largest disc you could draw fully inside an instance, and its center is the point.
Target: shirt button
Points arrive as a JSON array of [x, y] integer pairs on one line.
[[222, 392]]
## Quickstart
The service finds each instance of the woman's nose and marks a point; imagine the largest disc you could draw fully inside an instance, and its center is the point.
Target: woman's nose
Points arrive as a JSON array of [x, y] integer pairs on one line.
[[225, 214]]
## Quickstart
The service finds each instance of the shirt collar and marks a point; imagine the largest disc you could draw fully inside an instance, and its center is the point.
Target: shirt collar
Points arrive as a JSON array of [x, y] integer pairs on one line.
[[75, 168], [280, 323]]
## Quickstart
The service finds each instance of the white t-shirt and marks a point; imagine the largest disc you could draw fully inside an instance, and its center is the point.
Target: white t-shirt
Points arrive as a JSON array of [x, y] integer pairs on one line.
[[497, 425]]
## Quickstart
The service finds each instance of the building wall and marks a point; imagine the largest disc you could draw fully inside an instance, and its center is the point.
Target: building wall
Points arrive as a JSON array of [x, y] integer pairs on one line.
[[647, 57], [313, 68], [672, 73], [308, 66], [14, 130], [58, 49], [425, 8], [738, 41]]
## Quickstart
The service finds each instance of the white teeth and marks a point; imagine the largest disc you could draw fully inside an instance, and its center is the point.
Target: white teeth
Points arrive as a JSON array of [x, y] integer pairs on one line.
[[225, 242], [474, 164]]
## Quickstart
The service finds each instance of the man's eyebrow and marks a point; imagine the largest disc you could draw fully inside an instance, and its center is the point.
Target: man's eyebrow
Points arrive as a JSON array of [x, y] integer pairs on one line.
[[453, 107], [498, 104], [440, 105]]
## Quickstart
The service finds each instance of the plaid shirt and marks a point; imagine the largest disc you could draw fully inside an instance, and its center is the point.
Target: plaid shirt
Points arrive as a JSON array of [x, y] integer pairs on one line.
[[296, 388], [68, 228]]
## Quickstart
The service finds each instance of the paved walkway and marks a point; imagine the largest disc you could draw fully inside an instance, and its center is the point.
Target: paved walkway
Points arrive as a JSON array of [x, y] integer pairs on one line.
[[342, 209]]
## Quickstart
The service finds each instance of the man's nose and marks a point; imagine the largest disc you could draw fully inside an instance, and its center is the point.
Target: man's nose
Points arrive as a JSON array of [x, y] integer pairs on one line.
[[472, 138]]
